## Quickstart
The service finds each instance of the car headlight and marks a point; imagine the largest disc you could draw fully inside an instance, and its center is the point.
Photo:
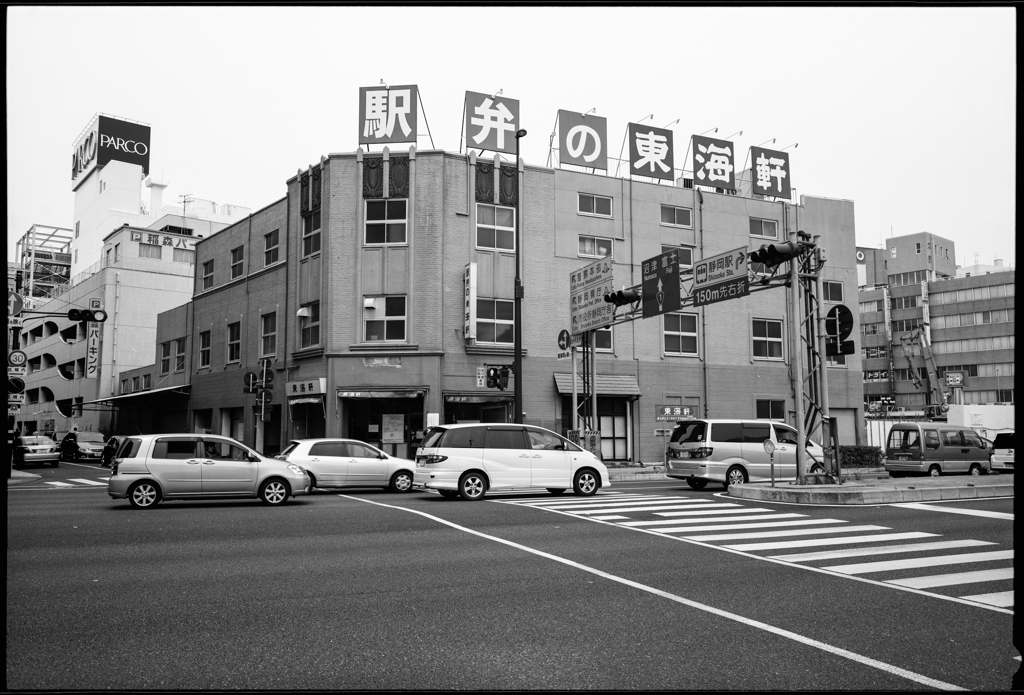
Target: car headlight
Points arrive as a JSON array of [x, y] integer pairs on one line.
[[297, 470]]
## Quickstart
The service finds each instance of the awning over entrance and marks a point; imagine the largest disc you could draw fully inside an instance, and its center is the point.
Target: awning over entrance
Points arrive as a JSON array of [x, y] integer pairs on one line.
[[305, 399], [381, 393], [450, 397], [181, 389], [607, 384]]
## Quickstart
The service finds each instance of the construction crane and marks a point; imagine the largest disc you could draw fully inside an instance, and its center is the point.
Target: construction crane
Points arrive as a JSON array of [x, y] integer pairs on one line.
[[939, 405]]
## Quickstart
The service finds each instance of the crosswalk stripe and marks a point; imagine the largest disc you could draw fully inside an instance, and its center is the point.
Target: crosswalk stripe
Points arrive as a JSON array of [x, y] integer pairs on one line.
[[956, 578], [779, 534], [955, 510], [1002, 599], [608, 518], [878, 550], [569, 506], [711, 519], [598, 498], [57, 484], [770, 524], [810, 542], [88, 482], [644, 508], [703, 510], [935, 561]]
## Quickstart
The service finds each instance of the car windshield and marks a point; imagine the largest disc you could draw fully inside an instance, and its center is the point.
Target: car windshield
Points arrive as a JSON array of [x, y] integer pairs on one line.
[[91, 437], [35, 441], [904, 439], [432, 436], [689, 432], [1004, 440], [288, 449]]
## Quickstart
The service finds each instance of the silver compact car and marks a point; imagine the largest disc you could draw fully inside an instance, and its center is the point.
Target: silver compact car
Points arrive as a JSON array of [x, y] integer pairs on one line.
[[36, 449], [82, 446], [334, 463], [153, 467]]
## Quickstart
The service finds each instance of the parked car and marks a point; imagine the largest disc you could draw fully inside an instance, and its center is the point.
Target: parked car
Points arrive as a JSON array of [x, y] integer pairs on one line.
[[934, 448], [35, 449], [472, 459], [334, 463], [82, 446], [731, 452], [153, 467], [1001, 459]]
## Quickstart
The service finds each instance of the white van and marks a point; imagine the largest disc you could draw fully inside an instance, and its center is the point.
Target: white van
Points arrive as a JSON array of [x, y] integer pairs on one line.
[[732, 452], [470, 459]]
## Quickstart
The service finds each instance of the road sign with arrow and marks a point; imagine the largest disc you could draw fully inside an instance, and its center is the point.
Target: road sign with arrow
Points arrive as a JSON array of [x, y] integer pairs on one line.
[[660, 288]]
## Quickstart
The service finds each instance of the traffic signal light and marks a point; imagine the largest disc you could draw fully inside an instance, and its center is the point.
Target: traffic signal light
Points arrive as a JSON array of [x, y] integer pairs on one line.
[[838, 326], [772, 255], [492, 377], [86, 315], [630, 295], [503, 378]]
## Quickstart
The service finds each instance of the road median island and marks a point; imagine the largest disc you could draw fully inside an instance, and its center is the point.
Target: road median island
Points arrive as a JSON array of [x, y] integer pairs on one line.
[[880, 491]]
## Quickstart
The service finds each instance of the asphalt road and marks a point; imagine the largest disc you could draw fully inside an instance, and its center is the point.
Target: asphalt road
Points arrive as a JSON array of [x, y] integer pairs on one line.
[[373, 590]]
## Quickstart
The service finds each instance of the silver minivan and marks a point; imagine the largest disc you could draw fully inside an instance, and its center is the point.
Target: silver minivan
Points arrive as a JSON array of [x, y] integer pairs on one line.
[[471, 459], [153, 467], [732, 452], [934, 448]]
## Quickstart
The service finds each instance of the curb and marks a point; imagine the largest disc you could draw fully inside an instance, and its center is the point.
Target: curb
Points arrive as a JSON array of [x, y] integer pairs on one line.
[[871, 495], [18, 477], [632, 473]]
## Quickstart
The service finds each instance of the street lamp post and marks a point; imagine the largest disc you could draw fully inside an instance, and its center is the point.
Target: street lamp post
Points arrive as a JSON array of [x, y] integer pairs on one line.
[[517, 365]]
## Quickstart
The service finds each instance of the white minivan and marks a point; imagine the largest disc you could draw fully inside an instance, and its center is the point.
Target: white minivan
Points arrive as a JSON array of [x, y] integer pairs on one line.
[[732, 452], [471, 459]]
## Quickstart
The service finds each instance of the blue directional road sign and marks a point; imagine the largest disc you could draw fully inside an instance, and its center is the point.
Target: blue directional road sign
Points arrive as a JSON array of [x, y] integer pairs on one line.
[[660, 287]]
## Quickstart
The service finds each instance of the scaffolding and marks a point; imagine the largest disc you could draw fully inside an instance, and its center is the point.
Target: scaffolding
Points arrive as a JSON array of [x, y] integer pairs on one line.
[[43, 259]]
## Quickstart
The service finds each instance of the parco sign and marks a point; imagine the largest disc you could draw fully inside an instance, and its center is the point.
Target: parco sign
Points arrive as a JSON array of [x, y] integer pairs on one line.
[[106, 139]]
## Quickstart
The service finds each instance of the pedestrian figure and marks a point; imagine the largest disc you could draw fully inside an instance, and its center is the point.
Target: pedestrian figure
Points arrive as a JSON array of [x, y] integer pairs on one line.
[[110, 450]]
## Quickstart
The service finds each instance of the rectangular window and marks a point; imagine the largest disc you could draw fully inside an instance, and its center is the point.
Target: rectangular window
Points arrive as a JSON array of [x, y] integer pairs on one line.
[[270, 247], [836, 360], [676, 217], [685, 255], [597, 205], [767, 339], [234, 341], [917, 245], [681, 334], [495, 227], [117, 252], [383, 319], [770, 410], [385, 222], [594, 247], [184, 256], [833, 291], [147, 381], [204, 348], [495, 321], [165, 358], [150, 251], [135, 383], [124, 386], [311, 234], [179, 355], [207, 275], [268, 335], [603, 339], [237, 261], [892, 252], [309, 326], [764, 229]]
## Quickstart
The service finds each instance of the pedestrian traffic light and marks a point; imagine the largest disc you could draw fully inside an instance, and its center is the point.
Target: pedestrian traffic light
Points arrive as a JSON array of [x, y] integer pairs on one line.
[[503, 378], [87, 315], [492, 377], [772, 255], [629, 295]]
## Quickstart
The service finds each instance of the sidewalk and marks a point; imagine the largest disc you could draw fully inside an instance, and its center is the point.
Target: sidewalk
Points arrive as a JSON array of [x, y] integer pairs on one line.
[[21, 477]]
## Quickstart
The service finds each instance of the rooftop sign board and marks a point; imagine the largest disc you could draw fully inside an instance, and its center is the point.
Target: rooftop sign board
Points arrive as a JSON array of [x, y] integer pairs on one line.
[[105, 139], [387, 114]]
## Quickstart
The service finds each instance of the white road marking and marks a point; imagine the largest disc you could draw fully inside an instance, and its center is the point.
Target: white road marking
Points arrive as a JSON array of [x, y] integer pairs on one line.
[[86, 481], [913, 563], [683, 504], [724, 527], [599, 497], [779, 534], [879, 550], [703, 510], [951, 579], [644, 508], [829, 648], [57, 484], [608, 518], [807, 543], [711, 519], [953, 510], [1003, 599]]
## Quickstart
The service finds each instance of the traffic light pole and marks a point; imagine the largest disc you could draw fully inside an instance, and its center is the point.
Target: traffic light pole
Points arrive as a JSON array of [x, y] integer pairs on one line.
[[826, 422], [798, 372]]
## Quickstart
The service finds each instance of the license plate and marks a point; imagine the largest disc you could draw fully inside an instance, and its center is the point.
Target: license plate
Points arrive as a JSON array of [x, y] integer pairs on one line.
[[902, 458]]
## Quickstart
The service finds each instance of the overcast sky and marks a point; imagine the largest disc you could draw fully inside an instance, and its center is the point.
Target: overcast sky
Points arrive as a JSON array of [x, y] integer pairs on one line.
[[909, 112]]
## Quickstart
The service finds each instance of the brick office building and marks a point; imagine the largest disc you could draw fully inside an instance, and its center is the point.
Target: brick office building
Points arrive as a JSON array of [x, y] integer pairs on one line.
[[354, 286]]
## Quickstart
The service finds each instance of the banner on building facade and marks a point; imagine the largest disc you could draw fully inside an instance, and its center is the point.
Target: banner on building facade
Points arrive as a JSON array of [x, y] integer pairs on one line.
[[650, 152], [581, 139], [106, 139], [388, 114], [714, 163], [491, 122], [469, 282], [770, 172]]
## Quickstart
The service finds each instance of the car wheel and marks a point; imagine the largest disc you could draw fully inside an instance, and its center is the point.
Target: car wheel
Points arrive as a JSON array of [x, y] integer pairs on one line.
[[735, 476], [401, 481], [585, 483], [697, 483], [449, 494], [312, 480], [274, 492], [472, 486], [975, 469], [556, 490], [143, 494], [935, 471], [817, 468]]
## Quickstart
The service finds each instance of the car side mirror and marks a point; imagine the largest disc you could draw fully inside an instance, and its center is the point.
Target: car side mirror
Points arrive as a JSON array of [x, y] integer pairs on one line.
[[253, 459]]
